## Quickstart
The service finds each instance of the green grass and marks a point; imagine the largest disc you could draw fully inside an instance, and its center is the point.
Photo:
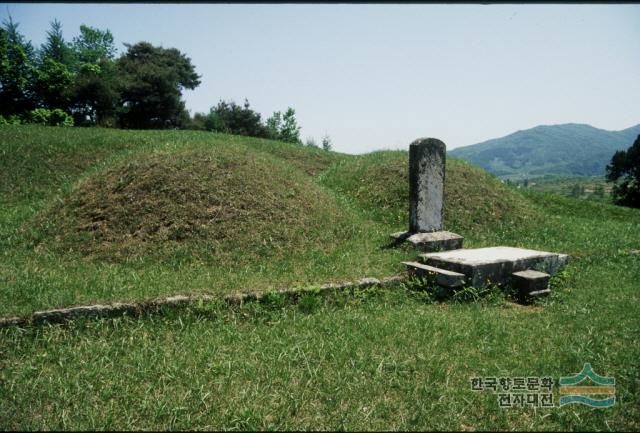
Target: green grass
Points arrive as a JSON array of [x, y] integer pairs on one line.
[[375, 359]]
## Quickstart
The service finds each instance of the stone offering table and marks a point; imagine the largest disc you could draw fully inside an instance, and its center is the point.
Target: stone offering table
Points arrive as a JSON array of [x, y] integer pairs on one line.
[[482, 266]]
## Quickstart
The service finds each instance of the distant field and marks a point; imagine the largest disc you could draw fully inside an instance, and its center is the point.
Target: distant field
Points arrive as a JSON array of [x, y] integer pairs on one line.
[[374, 359], [586, 187]]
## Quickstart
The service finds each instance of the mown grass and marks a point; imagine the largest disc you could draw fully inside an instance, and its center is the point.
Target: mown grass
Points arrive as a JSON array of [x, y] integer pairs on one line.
[[376, 359]]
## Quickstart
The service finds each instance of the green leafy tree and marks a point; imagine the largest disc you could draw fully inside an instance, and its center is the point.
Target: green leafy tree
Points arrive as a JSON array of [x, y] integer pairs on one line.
[[624, 171], [52, 84], [232, 118], [93, 45], [16, 71], [152, 82], [274, 125], [95, 90]]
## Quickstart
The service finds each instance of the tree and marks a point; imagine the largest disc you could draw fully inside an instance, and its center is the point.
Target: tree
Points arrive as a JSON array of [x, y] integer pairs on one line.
[[624, 171], [152, 82], [54, 71], [198, 122], [95, 90], [16, 71], [52, 84], [274, 124], [231, 118], [93, 45], [55, 47], [326, 143], [284, 127], [289, 130]]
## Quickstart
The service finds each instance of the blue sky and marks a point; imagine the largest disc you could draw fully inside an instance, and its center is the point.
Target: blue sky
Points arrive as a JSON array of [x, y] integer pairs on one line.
[[378, 76]]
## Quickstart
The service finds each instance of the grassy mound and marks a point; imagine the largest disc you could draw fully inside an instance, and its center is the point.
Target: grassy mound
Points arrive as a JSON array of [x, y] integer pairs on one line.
[[193, 201], [474, 200]]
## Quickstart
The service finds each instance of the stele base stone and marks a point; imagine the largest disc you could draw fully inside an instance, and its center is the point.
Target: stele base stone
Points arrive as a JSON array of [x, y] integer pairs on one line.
[[432, 241]]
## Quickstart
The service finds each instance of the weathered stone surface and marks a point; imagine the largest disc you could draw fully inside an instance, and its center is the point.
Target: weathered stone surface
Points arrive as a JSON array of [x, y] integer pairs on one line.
[[482, 266], [530, 282], [432, 241], [442, 277], [427, 158]]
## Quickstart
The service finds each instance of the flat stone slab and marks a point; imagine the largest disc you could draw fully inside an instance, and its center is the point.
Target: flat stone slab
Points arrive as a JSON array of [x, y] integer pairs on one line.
[[432, 241], [440, 276], [482, 266]]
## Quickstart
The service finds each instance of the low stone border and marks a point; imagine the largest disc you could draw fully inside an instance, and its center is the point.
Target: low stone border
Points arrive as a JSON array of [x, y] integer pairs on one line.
[[136, 308]]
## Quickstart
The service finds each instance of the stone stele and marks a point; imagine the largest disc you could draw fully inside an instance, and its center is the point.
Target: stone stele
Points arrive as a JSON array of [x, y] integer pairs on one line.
[[427, 158]]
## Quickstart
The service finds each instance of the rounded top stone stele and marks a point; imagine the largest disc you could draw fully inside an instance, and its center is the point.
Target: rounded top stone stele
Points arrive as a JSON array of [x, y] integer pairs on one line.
[[430, 142]]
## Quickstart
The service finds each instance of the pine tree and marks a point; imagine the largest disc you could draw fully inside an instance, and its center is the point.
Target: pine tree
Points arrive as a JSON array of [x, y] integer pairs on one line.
[[16, 71]]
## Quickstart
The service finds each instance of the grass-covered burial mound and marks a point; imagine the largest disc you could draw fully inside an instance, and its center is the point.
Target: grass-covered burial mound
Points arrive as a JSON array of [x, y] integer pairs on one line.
[[203, 202], [474, 200]]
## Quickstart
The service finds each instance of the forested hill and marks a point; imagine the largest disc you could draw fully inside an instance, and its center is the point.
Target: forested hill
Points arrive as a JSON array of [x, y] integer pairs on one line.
[[568, 149]]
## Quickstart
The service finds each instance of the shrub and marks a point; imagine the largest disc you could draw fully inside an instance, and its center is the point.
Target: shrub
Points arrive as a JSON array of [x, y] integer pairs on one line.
[[5, 121], [44, 116]]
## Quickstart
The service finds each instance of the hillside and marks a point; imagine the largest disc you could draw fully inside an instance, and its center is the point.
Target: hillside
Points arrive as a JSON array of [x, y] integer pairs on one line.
[[567, 150]]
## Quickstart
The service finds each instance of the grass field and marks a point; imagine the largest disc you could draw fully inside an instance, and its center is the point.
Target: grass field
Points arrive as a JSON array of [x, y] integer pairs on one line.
[[374, 359]]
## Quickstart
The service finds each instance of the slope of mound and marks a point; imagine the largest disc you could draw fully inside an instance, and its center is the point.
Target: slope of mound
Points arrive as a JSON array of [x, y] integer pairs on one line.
[[474, 200], [310, 160], [36, 160], [193, 201]]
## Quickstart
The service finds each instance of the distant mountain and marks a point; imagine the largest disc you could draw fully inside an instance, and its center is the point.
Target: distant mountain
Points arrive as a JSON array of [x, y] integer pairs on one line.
[[571, 150]]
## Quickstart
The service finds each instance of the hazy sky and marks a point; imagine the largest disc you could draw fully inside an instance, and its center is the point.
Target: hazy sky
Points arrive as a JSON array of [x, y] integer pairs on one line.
[[378, 76]]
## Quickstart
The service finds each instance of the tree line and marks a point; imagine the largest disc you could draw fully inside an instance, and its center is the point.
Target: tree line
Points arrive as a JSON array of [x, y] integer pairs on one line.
[[83, 83]]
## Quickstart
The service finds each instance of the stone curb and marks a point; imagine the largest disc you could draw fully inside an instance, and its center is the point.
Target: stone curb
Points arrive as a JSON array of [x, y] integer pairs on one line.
[[137, 308]]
